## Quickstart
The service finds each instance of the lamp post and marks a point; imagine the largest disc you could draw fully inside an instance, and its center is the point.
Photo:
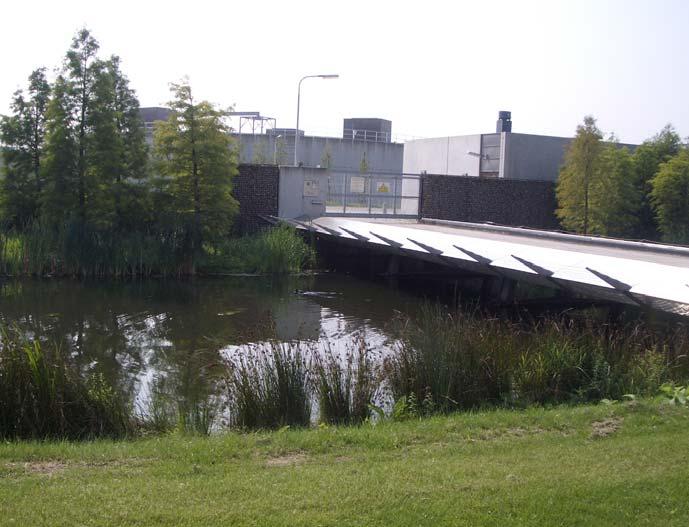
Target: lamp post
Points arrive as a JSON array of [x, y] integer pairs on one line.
[[275, 149], [296, 132]]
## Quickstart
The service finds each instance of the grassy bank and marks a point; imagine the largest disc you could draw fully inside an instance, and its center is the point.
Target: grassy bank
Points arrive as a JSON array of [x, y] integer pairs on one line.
[[623, 464], [41, 250]]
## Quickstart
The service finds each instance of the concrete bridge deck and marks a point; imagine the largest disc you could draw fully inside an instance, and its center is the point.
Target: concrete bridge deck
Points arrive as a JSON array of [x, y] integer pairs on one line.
[[651, 275]]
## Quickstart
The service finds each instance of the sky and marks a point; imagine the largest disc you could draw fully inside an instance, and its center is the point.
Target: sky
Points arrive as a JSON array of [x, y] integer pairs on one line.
[[434, 68]]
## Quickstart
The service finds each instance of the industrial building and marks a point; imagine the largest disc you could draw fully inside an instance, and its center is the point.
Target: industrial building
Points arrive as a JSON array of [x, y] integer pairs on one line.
[[502, 154], [366, 143]]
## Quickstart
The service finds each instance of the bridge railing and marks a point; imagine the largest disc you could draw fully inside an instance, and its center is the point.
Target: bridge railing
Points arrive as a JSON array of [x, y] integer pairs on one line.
[[373, 194]]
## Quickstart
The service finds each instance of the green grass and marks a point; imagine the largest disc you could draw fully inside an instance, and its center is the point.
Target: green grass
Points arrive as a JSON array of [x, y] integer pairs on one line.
[[529, 467]]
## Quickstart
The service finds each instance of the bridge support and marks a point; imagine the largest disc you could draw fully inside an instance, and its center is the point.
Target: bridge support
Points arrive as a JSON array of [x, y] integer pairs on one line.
[[498, 289]]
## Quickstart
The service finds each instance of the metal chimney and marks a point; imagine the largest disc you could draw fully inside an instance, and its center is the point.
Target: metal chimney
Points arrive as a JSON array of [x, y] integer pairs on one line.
[[504, 123]]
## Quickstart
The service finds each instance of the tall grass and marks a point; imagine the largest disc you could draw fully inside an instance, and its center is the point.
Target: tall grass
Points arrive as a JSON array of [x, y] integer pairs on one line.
[[345, 385], [42, 396], [269, 387], [459, 360], [279, 250], [70, 250]]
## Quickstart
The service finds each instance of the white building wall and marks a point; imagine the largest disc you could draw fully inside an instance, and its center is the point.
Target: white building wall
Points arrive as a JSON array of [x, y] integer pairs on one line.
[[443, 155]]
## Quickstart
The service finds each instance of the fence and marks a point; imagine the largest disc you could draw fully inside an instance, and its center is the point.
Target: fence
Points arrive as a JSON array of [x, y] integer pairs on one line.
[[373, 194]]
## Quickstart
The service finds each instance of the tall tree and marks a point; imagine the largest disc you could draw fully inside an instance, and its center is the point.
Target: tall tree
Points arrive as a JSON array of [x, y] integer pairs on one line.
[[577, 177], [647, 160], [23, 134], [82, 69], [197, 156], [130, 189], [615, 199], [670, 197], [59, 197]]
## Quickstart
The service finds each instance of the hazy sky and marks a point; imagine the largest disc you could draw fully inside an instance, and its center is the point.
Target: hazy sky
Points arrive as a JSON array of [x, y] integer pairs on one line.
[[433, 68]]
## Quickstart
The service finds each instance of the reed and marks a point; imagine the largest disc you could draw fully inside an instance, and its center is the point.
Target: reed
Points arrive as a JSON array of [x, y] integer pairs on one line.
[[43, 396], [269, 387], [71, 250], [452, 361], [345, 385]]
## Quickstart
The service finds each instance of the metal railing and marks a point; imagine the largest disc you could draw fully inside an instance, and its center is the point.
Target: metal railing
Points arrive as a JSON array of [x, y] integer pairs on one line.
[[371, 136], [373, 194]]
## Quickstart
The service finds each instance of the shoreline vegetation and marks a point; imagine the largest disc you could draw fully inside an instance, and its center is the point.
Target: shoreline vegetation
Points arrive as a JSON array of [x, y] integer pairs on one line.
[[39, 252], [439, 363]]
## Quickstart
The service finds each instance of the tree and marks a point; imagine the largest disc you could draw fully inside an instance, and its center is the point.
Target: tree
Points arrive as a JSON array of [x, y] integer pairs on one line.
[[577, 176], [615, 199], [670, 198], [197, 158], [647, 160], [116, 158], [23, 135], [59, 197], [131, 192], [82, 69]]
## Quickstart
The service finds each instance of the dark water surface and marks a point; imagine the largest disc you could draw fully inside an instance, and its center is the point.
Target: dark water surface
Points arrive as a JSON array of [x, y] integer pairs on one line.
[[144, 334]]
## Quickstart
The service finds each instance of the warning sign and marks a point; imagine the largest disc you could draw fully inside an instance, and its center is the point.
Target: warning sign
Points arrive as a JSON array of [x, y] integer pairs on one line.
[[382, 188]]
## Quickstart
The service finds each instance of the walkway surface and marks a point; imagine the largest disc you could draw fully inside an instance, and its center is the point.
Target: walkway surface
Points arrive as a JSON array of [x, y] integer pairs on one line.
[[630, 272]]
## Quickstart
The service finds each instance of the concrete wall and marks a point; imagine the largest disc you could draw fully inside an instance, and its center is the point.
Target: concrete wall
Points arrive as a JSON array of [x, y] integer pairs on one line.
[[314, 151], [303, 192], [503, 201], [255, 187], [533, 157], [443, 155]]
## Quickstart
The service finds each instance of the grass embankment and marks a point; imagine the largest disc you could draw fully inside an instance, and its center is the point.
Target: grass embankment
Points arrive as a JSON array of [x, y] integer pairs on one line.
[[624, 464], [42, 251]]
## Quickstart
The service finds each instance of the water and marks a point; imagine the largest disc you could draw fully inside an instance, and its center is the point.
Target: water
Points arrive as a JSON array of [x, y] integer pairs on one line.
[[174, 335]]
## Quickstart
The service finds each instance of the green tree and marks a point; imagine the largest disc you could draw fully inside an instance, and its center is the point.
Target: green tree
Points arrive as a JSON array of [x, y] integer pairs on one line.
[[59, 198], [615, 199], [23, 134], [670, 198], [82, 69], [132, 204], [197, 159], [647, 160], [577, 177]]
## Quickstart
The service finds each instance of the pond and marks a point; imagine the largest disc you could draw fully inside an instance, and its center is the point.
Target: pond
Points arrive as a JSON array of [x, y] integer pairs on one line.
[[172, 335]]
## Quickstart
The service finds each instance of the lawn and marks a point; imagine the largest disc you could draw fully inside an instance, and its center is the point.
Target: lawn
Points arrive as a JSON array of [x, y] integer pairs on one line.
[[624, 464]]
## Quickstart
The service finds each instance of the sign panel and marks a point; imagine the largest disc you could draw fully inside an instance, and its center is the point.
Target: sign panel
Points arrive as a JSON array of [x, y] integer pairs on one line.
[[311, 188], [357, 185], [382, 187]]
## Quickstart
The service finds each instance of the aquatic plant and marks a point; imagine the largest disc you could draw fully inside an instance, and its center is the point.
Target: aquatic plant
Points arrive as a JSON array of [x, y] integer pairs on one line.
[[43, 396], [269, 387], [467, 360], [278, 250], [345, 384]]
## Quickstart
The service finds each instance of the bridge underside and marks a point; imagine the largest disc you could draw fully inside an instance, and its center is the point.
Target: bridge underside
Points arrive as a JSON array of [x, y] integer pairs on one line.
[[633, 273]]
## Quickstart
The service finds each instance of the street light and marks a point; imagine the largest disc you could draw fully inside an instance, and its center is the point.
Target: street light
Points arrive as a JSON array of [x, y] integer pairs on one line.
[[275, 149], [296, 132]]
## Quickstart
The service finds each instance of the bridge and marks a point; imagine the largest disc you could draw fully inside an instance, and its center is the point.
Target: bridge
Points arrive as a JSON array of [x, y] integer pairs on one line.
[[380, 213]]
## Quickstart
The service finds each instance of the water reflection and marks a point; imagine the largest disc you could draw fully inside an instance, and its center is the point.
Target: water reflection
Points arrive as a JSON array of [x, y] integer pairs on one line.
[[169, 337]]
